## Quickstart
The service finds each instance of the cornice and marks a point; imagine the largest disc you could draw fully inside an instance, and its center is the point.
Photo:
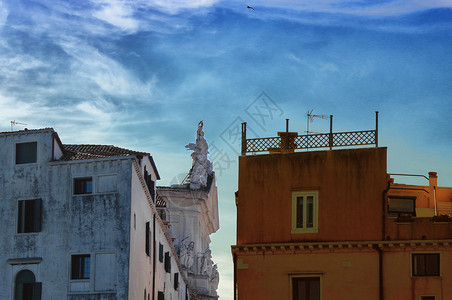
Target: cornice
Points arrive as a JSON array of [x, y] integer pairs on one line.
[[345, 246]]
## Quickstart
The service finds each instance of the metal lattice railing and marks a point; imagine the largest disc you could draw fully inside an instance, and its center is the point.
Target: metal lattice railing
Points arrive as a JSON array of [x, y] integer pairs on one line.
[[290, 141]]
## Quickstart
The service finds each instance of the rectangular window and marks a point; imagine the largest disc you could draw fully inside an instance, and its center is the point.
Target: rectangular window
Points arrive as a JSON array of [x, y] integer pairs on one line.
[[26, 153], [160, 253], [167, 262], [405, 205], [160, 296], [306, 288], [29, 216], [148, 238], [83, 185], [176, 281], [80, 266], [427, 297], [304, 212], [425, 264]]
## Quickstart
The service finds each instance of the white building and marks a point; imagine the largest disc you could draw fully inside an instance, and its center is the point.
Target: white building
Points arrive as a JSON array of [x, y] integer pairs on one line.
[[80, 222]]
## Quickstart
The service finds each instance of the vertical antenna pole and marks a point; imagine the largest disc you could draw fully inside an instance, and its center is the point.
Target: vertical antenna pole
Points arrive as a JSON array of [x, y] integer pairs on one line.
[[331, 132], [244, 138], [376, 128], [287, 134]]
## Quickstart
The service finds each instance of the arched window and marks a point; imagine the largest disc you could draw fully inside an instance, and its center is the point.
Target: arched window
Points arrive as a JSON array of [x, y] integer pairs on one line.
[[26, 287]]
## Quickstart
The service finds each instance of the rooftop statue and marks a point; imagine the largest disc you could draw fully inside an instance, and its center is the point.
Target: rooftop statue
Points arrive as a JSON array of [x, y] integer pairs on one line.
[[202, 167]]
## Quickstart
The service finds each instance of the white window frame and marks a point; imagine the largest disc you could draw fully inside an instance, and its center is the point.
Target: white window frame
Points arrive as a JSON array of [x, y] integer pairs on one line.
[[315, 217]]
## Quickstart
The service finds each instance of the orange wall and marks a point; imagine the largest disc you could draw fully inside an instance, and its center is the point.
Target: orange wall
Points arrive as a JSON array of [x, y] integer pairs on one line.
[[350, 186], [344, 275], [267, 276]]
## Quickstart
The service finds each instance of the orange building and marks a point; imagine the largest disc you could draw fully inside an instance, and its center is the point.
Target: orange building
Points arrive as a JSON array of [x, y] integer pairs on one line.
[[332, 224]]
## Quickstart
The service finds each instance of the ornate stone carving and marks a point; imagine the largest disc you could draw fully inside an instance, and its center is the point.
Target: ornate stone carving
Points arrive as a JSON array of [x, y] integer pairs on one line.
[[186, 254]]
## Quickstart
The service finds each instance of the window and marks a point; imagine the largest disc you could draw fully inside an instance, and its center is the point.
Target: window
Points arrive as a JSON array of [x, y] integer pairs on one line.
[[427, 297], [26, 287], [425, 264], [176, 281], [405, 205], [26, 153], [160, 253], [167, 262], [29, 216], [160, 296], [305, 288], [148, 238], [83, 185], [80, 266], [304, 212]]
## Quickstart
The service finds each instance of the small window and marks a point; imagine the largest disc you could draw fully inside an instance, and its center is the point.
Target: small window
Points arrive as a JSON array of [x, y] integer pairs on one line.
[[83, 185], [425, 264], [405, 206], [26, 153], [29, 216], [160, 296], [167, 262], [160, 253], [176, 281], [306, 288], [428, 298], [148, 238], [80, 266], [304, 212]]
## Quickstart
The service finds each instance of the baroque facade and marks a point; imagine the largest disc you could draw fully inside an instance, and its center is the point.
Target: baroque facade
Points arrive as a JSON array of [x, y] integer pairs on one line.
[[83, 222]]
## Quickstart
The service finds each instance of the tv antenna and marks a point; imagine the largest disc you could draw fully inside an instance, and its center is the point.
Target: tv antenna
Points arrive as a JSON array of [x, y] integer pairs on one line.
[[310, 119], [13, 123]]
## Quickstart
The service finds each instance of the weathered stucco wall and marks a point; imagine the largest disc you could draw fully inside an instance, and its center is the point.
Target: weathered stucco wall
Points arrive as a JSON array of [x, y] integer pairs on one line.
[[350, 185], [95, 224]]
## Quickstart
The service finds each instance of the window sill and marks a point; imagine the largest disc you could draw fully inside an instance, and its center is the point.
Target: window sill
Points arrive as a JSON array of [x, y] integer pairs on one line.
[[298, 231]]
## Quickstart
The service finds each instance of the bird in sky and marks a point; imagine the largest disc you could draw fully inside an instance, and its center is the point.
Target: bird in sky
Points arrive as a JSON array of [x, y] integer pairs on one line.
[[250, 7]]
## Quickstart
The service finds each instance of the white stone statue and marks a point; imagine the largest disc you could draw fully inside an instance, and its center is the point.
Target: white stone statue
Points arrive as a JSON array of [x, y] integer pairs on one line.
[[202, 167], [206, 263], [214, 279], [186, 254]]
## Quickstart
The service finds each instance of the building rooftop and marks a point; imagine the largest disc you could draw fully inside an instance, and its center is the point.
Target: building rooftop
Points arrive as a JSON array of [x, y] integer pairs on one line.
[[81, 152]]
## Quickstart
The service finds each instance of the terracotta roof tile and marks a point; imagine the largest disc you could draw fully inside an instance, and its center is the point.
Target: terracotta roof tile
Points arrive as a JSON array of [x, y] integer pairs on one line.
[[81, 152]]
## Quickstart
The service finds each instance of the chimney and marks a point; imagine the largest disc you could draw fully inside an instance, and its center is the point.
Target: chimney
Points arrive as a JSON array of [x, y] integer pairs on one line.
[[432, 179]]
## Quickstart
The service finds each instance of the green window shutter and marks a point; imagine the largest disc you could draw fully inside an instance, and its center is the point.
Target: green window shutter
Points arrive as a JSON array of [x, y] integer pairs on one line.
[[37, 290]]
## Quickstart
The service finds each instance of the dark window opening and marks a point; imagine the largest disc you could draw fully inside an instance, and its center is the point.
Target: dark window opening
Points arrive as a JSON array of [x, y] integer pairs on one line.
[[80, 266], [26, 287], [26, 153], [167, 262], [29, 216], [176, 281], [160, 252], [306, 288], [148, 238], [401, 206], [83, 185], [427, 297], [161, 296], [425, 264]]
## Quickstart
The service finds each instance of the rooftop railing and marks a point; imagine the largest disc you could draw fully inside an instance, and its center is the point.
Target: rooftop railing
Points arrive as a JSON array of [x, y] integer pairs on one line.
[[290, 141]]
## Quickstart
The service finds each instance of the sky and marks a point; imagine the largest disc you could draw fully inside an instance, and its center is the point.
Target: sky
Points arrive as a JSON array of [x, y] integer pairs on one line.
[[141, 74]]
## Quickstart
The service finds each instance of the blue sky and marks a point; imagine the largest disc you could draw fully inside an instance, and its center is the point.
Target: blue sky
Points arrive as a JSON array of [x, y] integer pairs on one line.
[[142, 74]]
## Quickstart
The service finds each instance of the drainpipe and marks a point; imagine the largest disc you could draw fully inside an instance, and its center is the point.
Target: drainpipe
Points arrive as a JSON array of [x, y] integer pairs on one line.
[[433, 182], [153, 259], [235, 274], [383, 232]]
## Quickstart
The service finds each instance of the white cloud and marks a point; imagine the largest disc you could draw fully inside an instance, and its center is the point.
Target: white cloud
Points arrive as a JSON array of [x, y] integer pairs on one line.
[[117, 13], [3, 14]]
